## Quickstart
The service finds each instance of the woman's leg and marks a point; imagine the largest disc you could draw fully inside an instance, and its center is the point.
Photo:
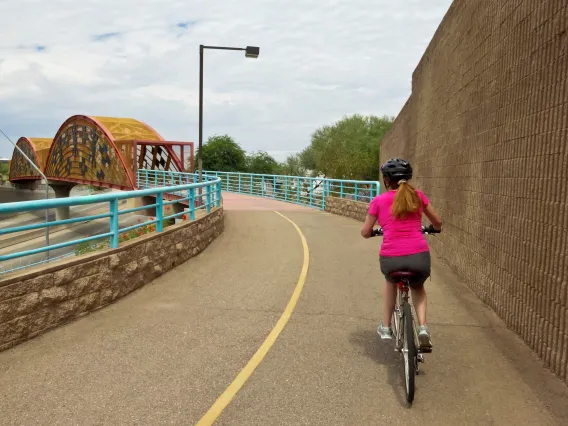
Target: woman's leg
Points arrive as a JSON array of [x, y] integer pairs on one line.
[[421, 262], [419, 300], [389, 300]]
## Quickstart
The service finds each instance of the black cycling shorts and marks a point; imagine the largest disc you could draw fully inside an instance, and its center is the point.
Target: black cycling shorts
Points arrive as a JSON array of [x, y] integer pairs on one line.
[[418, 263]]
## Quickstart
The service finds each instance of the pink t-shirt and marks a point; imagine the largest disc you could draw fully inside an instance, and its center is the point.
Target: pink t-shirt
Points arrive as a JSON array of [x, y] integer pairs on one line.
[[401, 237]]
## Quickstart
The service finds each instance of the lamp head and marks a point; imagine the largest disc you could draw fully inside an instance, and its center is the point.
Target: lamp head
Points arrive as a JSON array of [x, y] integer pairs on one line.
[[252, 52]]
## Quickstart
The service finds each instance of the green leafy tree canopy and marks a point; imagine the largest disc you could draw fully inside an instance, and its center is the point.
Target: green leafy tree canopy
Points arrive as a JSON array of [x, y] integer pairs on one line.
[[4, 172], [346, 149], [293, 166], [349, 148], [262, 163], [223, 154]]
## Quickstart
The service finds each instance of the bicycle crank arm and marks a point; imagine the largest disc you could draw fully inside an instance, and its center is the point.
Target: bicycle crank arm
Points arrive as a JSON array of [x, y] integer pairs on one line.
[[419, 359]]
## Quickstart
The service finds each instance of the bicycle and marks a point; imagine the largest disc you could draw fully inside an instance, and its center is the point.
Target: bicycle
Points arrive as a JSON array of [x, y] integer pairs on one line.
[[404, 324]]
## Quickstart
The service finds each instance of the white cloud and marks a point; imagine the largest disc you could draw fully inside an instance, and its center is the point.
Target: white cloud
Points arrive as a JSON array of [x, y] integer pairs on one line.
[[319, 60]]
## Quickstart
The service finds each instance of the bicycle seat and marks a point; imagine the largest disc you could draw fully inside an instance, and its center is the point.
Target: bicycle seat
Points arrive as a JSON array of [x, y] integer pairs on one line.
[[402, 274]]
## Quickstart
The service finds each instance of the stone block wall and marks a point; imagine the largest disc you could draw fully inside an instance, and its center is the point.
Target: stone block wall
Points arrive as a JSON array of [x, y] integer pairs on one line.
[[39, 300], [344, 207], [486, 129]]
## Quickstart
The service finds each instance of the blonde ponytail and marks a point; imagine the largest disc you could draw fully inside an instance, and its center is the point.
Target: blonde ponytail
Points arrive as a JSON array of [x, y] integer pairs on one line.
[[405, 201]]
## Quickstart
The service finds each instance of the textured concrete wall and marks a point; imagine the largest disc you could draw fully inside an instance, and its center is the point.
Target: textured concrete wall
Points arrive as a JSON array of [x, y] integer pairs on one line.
[[37, 301], [486, 130], [345, 207]]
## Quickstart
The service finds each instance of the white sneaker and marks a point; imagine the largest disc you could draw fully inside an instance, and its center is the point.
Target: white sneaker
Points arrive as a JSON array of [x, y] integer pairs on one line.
[[384, 332], [424, 339]]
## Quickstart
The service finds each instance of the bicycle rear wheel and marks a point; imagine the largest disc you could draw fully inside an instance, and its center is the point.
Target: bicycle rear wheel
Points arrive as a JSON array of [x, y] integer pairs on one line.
[[409, 352]]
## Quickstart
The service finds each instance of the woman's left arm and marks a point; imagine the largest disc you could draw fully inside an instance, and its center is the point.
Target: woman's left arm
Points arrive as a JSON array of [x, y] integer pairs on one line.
[[367, 228]]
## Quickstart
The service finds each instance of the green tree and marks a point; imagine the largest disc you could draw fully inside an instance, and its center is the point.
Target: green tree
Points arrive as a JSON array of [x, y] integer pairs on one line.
[[223, 154], [262, 163], [347, 149], [293, 166], [4, 172], [300, 164], [308, 161]]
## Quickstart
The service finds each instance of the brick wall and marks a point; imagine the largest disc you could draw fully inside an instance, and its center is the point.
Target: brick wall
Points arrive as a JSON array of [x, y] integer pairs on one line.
[[486, 128], [39, 300]]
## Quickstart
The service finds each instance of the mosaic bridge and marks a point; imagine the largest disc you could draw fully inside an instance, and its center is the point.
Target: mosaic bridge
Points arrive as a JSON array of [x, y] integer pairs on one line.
[[100, 151]]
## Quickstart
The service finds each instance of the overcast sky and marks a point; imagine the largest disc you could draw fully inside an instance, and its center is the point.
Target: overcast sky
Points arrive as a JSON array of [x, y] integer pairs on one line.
[[319, 60]]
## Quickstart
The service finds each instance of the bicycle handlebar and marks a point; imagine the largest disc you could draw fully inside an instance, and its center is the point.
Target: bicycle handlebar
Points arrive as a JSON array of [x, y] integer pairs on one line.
[[425, 230]]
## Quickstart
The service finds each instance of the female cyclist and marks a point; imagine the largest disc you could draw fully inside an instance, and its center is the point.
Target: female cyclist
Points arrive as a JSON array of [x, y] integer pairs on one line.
[[399, 213]]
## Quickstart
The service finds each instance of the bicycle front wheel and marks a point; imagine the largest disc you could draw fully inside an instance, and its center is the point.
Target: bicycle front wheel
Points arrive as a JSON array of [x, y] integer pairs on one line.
[[409, 352]]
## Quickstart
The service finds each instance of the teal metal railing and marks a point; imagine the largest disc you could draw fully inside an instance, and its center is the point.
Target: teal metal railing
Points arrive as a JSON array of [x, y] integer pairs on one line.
[[204, 199], [168, 188], [306, 191]]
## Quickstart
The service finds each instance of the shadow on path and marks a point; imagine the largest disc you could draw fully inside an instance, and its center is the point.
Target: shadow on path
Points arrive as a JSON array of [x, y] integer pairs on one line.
[[382, 352]]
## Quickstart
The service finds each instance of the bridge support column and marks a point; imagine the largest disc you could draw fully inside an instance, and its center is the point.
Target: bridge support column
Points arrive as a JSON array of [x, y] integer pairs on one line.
[[176, 208], [140, 202], [151, 211], [61, 190]]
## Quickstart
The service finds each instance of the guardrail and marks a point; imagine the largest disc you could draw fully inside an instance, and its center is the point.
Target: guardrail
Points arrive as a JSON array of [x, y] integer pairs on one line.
[[159, 178], [168, 188], [306, 191]]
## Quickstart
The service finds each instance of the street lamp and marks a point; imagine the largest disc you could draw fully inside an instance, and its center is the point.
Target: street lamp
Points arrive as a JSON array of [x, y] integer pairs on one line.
[[250, 52]]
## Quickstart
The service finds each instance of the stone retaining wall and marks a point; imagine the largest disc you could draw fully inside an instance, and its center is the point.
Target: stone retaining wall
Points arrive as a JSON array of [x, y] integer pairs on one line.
[[344, 207], [41, 299]]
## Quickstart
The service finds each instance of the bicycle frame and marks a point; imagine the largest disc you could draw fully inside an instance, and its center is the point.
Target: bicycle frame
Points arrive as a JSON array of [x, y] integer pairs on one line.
[[401, 297], [403, 290]]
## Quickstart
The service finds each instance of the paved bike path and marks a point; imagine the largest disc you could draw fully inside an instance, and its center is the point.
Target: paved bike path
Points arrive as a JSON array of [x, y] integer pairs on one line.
[[165, 353], [329, 367]]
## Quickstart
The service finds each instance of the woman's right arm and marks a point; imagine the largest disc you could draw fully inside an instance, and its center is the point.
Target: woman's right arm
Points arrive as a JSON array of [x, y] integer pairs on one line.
[[371, 219], [434, 217], [367, 229]]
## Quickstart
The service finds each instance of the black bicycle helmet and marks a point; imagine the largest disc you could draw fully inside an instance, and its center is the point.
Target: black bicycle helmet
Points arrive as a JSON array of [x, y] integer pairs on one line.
[[397, 169]]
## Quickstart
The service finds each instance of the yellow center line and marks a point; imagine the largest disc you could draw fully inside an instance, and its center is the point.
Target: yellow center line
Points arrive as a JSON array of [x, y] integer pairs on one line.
[[226, 397]]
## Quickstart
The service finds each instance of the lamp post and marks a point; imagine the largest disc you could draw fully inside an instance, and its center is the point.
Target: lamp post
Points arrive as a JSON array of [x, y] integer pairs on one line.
[[250, 52]]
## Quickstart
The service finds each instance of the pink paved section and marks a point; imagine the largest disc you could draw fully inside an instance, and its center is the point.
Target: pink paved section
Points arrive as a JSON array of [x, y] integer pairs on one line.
[[246, 202]]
